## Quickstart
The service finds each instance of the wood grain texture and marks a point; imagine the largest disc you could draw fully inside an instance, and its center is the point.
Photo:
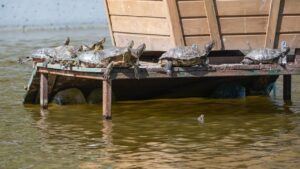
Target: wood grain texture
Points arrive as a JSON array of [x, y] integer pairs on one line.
[[272, 24], [174, 23], [214, 27], [109, 22], [106, 94], [43, 91]]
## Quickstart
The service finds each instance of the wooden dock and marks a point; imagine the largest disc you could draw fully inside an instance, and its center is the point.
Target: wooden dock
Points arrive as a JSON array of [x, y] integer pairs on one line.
[[46, 81]]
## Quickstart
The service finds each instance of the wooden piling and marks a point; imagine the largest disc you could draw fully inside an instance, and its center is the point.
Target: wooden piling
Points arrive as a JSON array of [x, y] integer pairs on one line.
[[287, 88], [43, 91], [106, 86]]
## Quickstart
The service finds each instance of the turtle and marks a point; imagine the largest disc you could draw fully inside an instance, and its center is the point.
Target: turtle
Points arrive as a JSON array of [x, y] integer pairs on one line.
[[114, 57], [49, 54], [185, 56], [69, 60], [267, 55]]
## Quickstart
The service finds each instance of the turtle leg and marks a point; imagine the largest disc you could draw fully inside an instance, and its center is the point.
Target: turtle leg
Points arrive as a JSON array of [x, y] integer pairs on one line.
[[168, 68], [136, 70], [108, 70]]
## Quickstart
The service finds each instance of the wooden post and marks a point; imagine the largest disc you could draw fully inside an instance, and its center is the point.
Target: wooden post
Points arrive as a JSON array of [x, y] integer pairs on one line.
[[287, 88], [272, 24], [43, 91], [106, 94], [175, 23], [213, 23]]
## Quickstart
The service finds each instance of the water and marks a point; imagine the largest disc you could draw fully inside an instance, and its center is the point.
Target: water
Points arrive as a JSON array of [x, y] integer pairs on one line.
[[255, 132]]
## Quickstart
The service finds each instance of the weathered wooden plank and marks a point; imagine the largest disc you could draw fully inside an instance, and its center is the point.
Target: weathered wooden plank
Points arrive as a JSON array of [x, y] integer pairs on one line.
[[195, 26], [240, 42], [243, 25], [272, 24], [213, 23], [153, 43], [191, 9], [291, 7], [128, 24], [106, 94], [174, 23], [199, 40], [109, 22], [43, 91], [242, 7], [290, 24], [137, 8]]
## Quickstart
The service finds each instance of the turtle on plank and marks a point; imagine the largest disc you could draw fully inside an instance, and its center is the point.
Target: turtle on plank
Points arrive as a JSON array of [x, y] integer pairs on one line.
[[185, 56], [67, 61], [46, 55], [268, 56], [114, 57]]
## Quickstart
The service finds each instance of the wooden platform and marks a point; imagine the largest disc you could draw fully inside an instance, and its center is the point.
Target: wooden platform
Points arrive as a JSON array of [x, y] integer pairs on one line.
[[153, 81]]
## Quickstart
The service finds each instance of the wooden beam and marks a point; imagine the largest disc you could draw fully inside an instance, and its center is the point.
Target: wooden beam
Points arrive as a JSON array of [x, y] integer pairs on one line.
[[43, 91], [174, 23], [213, 24], [272, 24], [106, 94], [109, 22], [287, 88]]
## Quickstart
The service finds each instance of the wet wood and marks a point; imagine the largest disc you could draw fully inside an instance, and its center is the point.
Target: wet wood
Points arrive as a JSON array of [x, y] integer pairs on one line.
[[287, 88], [43, 91], [107, 99]]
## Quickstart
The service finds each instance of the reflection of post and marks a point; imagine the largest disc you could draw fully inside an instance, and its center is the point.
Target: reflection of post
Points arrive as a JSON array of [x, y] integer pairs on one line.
[[107, 132], [43, 91], [287, 87], [106, 85]]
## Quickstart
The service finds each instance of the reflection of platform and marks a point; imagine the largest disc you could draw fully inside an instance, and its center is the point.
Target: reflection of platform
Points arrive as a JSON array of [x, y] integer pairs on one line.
[[155, 83]]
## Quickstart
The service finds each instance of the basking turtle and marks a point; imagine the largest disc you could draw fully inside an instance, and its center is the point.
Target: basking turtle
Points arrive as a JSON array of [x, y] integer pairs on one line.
[[185, 56], [268, 56], [113, 57], [50, 54]]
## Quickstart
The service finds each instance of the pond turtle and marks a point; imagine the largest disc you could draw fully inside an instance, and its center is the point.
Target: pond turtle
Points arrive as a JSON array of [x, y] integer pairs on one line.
[[268, 56], [185, 56], [114, 57], [50, 54], [67, 59]]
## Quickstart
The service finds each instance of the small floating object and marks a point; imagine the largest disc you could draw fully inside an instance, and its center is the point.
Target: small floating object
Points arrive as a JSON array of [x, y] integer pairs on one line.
[[201, 119]]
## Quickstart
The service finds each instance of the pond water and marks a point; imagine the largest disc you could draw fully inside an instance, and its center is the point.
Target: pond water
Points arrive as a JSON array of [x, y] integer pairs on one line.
[[253, 132]]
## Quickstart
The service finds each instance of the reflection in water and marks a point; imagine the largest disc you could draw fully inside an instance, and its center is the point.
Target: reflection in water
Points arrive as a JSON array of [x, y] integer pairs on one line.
[[255, 132]]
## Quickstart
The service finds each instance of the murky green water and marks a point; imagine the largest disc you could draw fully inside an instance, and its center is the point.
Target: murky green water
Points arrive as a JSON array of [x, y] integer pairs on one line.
[[255, 132]]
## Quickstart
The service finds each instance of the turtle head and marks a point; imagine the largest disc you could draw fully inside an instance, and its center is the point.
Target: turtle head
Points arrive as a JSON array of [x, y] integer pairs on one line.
[[139, 50], [284, 48], [84, 48], [195, 47], [98, 45], [208, 47], [130, 44], [67, 41]]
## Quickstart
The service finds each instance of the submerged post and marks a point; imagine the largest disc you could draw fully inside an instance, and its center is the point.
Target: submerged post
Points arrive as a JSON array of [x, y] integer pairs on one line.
[[287, 87], [43, 91], [106, 86]]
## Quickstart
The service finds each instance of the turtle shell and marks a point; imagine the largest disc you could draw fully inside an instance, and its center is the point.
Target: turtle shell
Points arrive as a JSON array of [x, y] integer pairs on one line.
[[264, 55], [42, 54], [184, 56]]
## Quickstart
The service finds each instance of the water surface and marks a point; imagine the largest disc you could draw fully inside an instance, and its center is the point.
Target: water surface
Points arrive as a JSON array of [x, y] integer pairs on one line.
[[254, 132]]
